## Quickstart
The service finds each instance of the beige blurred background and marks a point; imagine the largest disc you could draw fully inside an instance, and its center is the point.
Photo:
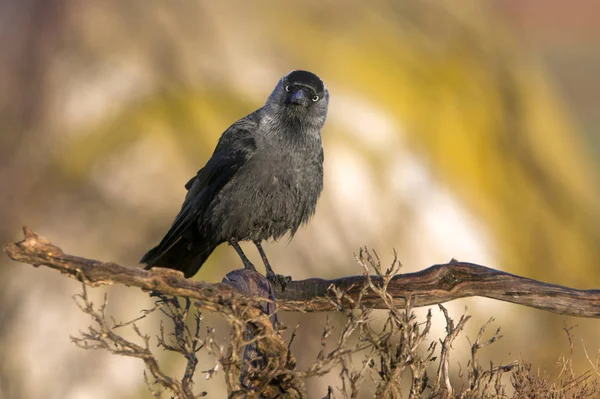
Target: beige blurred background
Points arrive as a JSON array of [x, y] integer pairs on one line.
[[456, 129]]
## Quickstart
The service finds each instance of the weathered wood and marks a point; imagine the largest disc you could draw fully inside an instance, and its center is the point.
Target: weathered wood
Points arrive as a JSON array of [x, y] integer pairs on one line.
[[269, 348], [436, 284]]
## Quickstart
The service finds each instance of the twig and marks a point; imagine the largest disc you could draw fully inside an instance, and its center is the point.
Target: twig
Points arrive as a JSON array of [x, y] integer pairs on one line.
[[102, 336], [442, 383]]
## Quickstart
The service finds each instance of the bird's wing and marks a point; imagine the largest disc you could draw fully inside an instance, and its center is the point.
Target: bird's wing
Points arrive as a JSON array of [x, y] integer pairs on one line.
[[235, 148]]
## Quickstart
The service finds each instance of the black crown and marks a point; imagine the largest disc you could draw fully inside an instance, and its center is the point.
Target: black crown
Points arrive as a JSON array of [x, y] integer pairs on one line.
[[306, 78]]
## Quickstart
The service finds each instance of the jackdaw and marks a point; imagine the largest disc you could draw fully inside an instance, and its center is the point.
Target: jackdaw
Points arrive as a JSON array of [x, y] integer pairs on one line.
[[262, 181]]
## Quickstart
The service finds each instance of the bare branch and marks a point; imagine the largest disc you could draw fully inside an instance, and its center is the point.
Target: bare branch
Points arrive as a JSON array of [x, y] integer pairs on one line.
[[435, 285]]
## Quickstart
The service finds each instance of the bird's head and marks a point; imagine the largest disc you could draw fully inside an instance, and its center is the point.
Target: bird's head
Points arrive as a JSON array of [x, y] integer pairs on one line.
[[303, 95]]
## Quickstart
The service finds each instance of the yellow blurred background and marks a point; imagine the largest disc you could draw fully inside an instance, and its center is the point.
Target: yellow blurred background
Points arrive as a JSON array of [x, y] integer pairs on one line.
[[456, 129]]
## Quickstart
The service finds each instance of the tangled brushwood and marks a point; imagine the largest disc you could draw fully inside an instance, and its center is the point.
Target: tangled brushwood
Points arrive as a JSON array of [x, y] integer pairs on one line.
[[399, 358]]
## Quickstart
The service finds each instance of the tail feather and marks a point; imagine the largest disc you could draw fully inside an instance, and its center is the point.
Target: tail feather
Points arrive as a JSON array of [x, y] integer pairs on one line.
[[182, 255]]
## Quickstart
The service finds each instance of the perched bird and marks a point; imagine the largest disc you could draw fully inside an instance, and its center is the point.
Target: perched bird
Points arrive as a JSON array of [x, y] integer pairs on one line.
[[262, 181]]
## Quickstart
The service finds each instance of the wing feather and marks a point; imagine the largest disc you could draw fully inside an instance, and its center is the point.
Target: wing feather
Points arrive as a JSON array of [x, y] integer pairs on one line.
[[235, 148]]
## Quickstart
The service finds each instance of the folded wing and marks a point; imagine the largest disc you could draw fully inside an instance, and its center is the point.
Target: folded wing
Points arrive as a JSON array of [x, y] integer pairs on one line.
[[189, 241]]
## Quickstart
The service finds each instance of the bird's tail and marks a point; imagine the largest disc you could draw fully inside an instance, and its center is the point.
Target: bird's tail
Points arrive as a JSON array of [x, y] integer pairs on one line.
[[182, 256]]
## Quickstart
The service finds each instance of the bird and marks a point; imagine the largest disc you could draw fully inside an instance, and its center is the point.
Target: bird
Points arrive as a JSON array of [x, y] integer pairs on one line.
[[262, 181]]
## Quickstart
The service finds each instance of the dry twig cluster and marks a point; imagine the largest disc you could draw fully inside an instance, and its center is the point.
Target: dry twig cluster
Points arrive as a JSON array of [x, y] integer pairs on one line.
[[397, 359]]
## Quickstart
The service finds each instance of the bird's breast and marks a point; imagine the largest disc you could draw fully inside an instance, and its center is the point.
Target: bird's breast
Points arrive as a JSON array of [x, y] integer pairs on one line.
[[272, 194]]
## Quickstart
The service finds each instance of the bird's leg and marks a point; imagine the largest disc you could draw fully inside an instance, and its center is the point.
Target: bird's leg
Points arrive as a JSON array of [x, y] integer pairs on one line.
[[263, 255], [271, 276], [247, 264]]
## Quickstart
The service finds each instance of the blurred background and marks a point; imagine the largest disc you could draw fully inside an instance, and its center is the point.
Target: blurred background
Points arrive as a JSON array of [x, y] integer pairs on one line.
[[456, 129]]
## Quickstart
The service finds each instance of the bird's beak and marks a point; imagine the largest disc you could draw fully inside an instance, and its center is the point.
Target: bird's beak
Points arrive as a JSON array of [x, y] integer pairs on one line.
[[299, 97]]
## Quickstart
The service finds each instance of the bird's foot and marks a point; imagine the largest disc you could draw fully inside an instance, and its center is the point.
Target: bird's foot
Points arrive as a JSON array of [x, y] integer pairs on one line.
[[279, 279], [249, 266]]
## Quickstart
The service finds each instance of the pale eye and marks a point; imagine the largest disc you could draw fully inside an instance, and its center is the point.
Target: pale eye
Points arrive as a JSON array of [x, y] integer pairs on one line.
[[315, 98], [287, 88]]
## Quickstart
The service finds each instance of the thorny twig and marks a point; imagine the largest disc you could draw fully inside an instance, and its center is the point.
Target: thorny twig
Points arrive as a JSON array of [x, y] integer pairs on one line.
[[396, 347], [184, 341], [103, 336], [485, 382]]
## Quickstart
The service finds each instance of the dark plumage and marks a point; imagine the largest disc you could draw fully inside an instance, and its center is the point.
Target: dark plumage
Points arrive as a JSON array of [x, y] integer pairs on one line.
[[262, 181]]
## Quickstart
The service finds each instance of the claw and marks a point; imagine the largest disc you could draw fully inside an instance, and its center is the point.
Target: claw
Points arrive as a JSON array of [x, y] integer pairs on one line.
[[279, 280]]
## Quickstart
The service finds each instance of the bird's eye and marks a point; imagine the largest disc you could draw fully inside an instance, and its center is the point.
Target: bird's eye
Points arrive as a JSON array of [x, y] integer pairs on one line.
[[287, 88], [315, 98]]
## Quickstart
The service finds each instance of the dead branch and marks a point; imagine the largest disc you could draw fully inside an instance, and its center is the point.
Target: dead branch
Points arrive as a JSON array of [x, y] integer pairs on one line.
[[434, 285], [103, 336], [443, 377]]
